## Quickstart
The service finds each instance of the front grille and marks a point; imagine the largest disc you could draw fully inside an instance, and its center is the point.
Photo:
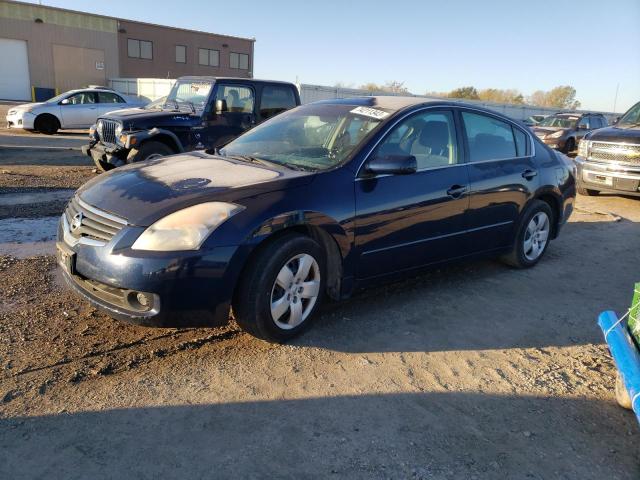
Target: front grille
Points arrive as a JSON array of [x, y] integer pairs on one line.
[[89, 222], [107, 131], [615, 152]]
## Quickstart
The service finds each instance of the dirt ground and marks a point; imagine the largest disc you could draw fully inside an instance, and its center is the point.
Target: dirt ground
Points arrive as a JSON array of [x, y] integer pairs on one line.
[[467, 372]]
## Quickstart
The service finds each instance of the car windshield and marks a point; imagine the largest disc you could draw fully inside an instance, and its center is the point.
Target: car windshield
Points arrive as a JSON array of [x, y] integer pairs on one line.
[[58, 98], [560, 122], [193, 94], [632, 117], [312, 137]]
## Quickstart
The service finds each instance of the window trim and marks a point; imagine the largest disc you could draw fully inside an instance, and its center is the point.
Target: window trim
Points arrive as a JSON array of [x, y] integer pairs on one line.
[[238, 67], [457, 109], [185, 54], [208, 50], [140, 57]]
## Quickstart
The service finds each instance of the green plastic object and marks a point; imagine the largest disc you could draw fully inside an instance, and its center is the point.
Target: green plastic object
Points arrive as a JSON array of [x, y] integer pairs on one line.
[[634, 320]]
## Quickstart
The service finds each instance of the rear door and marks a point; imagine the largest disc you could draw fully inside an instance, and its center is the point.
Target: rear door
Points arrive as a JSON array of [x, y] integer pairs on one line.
[[406, 221], [503, 176], [80, 110], [239, 116], [109, 101]]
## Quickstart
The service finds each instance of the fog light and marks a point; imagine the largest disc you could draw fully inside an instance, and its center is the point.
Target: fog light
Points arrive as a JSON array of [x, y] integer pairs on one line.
[[142, 299]]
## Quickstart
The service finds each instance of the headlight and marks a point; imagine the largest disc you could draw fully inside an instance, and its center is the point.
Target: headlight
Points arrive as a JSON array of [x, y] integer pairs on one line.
[[92, 130], [186, 229], [118, 130], [557, 134], [99, 126], [583, 148]]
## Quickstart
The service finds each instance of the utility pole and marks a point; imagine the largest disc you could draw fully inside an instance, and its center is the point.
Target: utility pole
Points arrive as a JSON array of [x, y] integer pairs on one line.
[[615, 99]]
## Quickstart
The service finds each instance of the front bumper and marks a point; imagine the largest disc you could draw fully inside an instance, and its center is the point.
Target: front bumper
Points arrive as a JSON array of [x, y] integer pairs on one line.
[[102, 154], [182, 289], [608, 177], [20, 120]]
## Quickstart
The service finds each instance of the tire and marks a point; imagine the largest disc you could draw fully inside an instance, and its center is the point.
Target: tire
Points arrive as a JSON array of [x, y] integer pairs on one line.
[[47, 124], [622, 396], [148, 151], [569, 146], [268, 304], [103, 166], [532, 237], [587, 191]]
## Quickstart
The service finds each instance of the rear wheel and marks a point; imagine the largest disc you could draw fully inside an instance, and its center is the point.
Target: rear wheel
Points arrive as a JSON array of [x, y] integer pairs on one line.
[[587, 191], [532, 238], [282, 289], [47, 124], [149, 151]]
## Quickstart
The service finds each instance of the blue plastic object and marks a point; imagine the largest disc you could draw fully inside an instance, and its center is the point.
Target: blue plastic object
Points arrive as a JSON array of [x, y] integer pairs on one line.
[[625, 354]]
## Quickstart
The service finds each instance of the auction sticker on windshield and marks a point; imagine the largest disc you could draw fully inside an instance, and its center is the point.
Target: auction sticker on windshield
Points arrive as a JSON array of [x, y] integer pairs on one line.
[[370, 112]]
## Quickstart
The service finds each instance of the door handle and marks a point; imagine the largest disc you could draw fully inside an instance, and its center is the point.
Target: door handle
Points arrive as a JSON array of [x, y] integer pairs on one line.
[[456, 191], [529, 174]]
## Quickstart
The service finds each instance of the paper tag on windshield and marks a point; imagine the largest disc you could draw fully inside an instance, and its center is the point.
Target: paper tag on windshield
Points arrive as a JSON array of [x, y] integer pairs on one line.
[[370, 112]]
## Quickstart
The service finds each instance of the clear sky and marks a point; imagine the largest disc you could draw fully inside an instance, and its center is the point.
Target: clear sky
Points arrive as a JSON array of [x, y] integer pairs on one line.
[[440, 45]]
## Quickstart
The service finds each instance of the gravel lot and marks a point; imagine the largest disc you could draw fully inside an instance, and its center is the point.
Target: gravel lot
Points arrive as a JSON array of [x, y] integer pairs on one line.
[[470, 371]]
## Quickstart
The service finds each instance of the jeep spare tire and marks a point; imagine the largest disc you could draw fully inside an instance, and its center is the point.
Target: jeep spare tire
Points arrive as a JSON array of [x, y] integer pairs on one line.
[[149, 151]]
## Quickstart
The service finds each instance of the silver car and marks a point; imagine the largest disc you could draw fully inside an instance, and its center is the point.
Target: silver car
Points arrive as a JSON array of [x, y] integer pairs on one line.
[[72, 109]]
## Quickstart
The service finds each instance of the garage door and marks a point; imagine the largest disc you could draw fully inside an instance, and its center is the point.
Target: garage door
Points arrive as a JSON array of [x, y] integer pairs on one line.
[[14, 80]]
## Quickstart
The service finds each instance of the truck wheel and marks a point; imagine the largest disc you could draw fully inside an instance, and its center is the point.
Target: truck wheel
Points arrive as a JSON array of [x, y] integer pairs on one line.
[[532, 237], [281, 289], [149, 151], [569, 146], [622, 396], [47, 124], [587, 191]]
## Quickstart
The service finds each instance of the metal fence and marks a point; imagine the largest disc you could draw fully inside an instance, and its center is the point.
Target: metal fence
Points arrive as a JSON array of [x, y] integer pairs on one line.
[[154, 88]]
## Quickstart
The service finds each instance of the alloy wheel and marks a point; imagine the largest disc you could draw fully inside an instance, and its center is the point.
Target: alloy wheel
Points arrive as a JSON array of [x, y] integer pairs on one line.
[[536, 236], [295, 291]]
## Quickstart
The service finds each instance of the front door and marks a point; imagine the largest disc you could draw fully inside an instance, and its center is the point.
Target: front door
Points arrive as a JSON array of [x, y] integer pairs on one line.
[[503, 176], [239, 116], [406, 221], [80, 110]]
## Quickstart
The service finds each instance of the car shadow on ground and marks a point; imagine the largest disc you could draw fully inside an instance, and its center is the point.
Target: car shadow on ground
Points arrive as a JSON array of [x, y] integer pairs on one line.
[[407, 435], [487, 305]]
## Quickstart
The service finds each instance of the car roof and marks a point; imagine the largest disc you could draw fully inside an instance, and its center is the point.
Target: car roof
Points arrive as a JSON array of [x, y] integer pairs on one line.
[[209, 78], [397, 103]]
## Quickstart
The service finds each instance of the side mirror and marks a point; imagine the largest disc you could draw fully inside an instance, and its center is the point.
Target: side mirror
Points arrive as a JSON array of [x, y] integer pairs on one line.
[[65, 102], [392, 164], [221, 106]]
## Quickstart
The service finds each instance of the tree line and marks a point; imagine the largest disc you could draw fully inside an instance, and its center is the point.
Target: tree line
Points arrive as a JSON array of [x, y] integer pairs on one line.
[[561, 97]]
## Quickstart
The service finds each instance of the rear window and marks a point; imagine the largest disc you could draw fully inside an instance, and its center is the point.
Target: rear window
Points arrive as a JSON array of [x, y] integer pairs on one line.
[[276, 99], [488, 138]]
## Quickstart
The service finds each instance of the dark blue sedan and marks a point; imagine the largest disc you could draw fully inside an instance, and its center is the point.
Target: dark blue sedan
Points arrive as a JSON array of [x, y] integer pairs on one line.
[[316, 202]]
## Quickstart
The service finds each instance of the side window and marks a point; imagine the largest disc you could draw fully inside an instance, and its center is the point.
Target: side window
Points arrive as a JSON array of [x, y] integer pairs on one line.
[[521, 142], [108, 97], [488, 138], [239, 99], [82, 98], [276, 99], [428, 136], [584, 122]]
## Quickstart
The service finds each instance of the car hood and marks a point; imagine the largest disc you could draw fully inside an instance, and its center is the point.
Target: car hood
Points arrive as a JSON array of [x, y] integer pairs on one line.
[[546, 130], [616, 133], [142, 118], [145, 192], [24, 106]]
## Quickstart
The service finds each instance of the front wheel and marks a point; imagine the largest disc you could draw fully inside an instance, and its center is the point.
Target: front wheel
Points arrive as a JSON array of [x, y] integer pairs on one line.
[[589, 192], [532, 237], [570, 146], [47, 124], [281, 289], [149, 151]]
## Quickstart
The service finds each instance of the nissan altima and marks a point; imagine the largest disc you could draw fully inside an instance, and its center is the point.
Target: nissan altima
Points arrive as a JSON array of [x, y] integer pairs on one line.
[[315, 203]]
